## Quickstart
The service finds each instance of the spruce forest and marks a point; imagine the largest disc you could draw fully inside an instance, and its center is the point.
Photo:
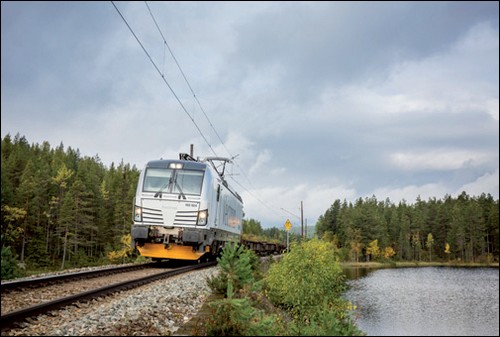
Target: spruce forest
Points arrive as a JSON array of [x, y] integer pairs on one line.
[[461, 229], [62, 209]]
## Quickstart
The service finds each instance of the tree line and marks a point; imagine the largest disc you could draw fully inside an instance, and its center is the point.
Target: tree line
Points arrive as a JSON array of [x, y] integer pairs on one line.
[[465, 228], [61, 208]]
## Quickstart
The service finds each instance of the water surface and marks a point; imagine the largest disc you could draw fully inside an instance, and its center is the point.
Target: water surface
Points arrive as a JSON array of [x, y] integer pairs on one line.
[[427, 301]]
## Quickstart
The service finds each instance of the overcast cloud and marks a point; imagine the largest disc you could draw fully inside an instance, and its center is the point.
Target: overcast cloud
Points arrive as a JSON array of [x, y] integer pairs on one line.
[[318, 100]]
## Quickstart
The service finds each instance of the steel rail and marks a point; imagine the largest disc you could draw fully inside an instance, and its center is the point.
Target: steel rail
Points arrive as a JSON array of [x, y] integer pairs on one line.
[[10, 318], [41, 281]]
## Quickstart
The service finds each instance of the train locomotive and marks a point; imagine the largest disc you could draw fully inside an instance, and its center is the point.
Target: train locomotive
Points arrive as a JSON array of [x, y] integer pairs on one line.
[[185, 210]]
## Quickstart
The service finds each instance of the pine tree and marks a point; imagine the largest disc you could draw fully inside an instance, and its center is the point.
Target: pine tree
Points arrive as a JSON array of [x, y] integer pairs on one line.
[[428, 243]]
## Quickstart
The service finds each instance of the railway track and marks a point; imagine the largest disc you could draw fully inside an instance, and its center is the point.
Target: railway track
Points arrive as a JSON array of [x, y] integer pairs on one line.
[[35, 282], [114, 280]]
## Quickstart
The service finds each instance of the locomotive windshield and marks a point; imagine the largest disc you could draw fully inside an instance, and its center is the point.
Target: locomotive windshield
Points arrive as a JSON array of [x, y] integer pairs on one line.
[[178, 181], [188, 182]]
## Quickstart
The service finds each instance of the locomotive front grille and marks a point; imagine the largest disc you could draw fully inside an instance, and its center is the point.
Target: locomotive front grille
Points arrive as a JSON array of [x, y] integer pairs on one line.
[[186, 218], [169, 212], [152, 215]]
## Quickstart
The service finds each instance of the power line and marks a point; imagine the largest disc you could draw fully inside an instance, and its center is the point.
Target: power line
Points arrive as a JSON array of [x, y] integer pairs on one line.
[[195, 97], [262, 202], [201, 107], [164, 79], [185, 78]]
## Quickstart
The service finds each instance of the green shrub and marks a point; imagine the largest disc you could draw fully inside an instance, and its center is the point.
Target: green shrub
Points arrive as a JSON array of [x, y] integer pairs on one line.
[[239, 268], [218, 283], [325, 322], [237, 317], [305, 277], [307, 283], [10, 268], [234, 315]]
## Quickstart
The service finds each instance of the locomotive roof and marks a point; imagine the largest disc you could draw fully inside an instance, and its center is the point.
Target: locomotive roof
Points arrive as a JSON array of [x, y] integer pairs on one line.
[[186, 164]]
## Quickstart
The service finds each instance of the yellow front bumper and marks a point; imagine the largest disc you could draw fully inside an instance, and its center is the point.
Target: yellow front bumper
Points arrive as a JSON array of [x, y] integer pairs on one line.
[[173, 252]]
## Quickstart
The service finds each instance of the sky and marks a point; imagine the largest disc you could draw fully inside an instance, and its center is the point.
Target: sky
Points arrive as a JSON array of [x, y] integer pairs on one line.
[[315, 101]]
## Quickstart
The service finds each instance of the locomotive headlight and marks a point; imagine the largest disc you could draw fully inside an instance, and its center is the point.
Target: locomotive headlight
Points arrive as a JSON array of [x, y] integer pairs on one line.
[[137, 213], [202, 218]]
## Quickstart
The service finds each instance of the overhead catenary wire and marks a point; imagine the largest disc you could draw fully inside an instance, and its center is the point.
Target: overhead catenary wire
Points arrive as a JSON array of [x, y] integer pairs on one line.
[[164, 79], [202, 109], [165, 43], [193, 93], [248, 191], [185, 79]]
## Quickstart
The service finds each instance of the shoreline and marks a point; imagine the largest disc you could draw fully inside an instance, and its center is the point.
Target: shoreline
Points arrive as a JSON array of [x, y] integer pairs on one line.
[[403, 264]]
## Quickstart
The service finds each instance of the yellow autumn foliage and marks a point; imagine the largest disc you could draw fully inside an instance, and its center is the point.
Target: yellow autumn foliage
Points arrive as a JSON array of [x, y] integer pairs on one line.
[[389, 252], [124, 252]]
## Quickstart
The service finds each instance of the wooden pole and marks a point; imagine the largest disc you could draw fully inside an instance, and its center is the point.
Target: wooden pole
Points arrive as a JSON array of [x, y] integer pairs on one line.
[[302, 219]]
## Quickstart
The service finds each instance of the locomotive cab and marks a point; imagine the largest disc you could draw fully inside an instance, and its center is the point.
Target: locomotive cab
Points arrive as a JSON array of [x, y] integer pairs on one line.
[[183, 209]]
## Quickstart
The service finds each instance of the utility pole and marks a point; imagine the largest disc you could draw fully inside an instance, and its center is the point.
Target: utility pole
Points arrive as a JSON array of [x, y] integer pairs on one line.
[[302, 219]]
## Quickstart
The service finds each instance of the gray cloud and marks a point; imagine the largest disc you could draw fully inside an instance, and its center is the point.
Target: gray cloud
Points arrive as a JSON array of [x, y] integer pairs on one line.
[[320, 100]]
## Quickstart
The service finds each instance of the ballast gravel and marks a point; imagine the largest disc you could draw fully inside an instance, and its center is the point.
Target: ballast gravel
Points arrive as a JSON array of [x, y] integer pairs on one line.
[[158, 308]]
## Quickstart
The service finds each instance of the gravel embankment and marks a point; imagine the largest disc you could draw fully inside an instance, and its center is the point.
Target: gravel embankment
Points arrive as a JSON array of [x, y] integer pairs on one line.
[[159, 308]]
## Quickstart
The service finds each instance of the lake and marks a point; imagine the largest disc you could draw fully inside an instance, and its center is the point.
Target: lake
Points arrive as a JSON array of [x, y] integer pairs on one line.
[[426, 301]]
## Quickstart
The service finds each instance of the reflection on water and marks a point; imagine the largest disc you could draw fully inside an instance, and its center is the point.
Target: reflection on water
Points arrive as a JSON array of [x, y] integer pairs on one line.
[[426, 301], [353, 273]]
